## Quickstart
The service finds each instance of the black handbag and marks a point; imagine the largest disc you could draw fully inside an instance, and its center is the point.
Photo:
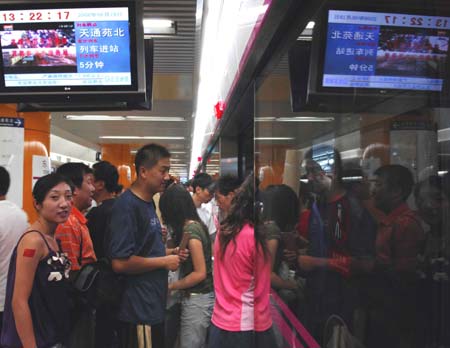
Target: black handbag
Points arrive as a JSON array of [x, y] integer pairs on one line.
[[98, 285]]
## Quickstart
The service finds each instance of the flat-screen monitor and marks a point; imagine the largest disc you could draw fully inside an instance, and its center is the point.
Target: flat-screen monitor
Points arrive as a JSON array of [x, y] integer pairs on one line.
[[71, 51], [379, 52], [106, 105]]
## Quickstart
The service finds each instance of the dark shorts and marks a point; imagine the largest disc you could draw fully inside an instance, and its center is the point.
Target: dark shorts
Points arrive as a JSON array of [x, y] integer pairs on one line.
[[219, 338], [145, 336]]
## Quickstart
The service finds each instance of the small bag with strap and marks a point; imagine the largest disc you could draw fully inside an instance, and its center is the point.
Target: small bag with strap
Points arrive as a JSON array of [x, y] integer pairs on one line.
[[97, 283]]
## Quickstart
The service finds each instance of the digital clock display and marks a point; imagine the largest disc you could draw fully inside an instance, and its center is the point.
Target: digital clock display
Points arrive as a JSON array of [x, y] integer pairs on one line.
[[386, 50], [66, 47]]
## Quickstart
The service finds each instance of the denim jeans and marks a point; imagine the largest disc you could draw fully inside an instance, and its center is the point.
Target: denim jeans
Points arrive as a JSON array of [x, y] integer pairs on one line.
[[196, 311]]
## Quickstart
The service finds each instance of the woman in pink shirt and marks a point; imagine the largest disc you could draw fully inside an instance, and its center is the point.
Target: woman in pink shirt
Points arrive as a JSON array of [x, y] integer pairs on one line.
[[241, 316]]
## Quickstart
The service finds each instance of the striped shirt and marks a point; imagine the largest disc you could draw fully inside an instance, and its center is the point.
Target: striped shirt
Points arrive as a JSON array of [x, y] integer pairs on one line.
[[73, 235]]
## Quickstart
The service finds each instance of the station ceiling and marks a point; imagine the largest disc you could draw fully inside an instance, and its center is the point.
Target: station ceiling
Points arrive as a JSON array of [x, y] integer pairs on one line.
[[173, 86]]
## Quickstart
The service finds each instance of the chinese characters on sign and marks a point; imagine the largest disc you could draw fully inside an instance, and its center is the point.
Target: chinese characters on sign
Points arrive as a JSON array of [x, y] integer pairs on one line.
[[101, 44]]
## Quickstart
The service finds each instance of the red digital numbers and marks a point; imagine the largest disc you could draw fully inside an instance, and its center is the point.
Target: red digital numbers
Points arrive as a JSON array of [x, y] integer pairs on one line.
[[35, 16], [63, 15], [9, 17]]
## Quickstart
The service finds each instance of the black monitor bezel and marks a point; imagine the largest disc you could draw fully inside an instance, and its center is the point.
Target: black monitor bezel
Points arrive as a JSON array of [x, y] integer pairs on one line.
[[133, 92], [316, 91]]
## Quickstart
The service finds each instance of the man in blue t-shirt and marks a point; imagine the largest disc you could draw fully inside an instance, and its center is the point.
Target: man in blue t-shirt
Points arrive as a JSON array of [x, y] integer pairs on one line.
[[137, 250]]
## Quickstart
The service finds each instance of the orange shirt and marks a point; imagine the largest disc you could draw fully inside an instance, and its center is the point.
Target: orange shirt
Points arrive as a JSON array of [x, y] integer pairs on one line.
[[73, 234]]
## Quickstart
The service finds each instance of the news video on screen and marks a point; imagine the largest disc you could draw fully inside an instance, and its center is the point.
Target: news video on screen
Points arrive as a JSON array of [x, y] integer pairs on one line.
[[38, 51], [411, 52], [66, 47]]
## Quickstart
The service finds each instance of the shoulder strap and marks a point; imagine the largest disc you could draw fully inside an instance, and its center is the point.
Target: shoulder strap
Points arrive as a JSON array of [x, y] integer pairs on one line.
[[80, 257], [41, 234]]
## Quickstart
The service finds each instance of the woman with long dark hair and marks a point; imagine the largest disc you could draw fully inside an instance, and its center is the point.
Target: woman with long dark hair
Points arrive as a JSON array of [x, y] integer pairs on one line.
[[281, 210], [36, 305], [179, 213], [241, 316]]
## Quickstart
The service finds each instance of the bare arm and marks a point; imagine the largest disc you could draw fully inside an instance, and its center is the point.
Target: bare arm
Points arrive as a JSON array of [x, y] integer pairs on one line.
[[198, 261], [275, 280], [310, 263], [138, 264], [29, 252]]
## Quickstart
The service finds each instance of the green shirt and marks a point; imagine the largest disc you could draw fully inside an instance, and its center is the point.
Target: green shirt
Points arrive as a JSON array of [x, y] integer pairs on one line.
[[197, 231], [273, 232]]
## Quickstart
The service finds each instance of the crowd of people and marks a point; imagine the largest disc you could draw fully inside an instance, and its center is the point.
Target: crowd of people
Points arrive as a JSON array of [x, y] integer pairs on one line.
[[199, 261], [156, 227], [371, 251]]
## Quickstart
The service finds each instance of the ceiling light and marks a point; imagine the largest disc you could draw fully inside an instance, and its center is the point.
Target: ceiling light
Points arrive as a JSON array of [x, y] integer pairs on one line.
[[307, 32], [265, 119], [443, 135], [94, 118], [132, 137], [305, 119], [171, 152], [295, 119], [274, 138], [156, 118], [124, 118], [158, 26]]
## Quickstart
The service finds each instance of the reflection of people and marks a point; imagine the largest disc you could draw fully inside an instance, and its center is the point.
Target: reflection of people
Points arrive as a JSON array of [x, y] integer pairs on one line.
[[433, 205], [280, 213], [241, 316], [36, 305], [399, 240], [341, 236]]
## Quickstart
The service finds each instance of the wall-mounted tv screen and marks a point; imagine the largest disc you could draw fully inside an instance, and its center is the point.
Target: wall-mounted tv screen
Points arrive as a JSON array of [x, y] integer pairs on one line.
[[364, 55], [69, 49], [386, 50], [112, 104]]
